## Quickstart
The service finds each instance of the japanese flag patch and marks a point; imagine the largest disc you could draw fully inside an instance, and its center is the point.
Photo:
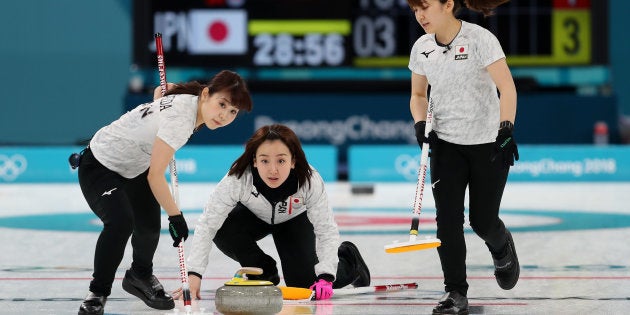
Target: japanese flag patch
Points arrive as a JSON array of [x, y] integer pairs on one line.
[[461, 52], [295, 203]]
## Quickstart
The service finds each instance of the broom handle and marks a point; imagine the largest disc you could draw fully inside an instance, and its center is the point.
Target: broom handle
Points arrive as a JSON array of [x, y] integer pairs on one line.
[[422, 175], [183, 273], [295, 293], [377, 288]]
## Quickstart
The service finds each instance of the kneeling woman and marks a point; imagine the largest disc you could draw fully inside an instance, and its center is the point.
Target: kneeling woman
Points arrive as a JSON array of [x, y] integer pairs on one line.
[[271, 189]]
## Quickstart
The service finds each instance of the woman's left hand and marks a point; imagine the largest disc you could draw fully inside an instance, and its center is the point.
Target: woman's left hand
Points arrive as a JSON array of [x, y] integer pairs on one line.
[[505, 146]]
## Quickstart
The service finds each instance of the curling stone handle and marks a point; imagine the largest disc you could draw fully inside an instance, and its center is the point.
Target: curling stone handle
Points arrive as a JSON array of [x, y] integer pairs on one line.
[[248, 271]]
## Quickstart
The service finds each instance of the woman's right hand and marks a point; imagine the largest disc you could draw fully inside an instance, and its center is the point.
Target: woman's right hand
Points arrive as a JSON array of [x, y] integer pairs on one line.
[[194, 283]]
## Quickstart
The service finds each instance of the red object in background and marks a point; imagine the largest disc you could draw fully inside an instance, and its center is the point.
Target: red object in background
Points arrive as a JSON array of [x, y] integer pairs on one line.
[[214, 3], [600, 133], [571, 4]]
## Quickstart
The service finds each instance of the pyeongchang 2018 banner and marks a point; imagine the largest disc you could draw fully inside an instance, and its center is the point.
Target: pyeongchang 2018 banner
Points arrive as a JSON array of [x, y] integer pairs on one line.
[[572, 163], [194, 163], [558, 163]]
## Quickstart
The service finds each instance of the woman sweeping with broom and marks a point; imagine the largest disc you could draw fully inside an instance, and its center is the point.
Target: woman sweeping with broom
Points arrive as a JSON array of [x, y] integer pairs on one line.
[[472, 145]]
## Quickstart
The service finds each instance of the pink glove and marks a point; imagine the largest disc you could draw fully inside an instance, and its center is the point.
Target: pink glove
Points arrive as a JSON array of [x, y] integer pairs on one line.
[[323, 289]]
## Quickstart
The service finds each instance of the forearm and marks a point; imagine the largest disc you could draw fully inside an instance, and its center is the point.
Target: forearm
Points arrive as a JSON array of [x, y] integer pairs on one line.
[[162, 193], [418, 106], [507, 103], [500, 73]]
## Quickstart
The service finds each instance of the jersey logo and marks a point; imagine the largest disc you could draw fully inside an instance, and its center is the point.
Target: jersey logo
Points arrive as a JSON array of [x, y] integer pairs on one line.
[[435, 183], [166, 102], [461, 52], [109, 192], [282, 207], [426, 53], [146, 110]]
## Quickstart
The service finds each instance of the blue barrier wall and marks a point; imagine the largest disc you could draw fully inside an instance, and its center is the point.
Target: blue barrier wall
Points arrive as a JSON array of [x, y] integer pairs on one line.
[[537, 163], [367, 163], [194, 163]]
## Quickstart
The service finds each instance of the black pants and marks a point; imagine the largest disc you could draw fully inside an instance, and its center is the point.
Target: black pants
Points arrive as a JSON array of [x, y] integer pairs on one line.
[[127, 208], [453, 169], [294, 241]]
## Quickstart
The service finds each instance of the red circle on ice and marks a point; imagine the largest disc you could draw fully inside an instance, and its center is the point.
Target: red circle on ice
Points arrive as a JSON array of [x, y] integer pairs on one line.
[[217, 31]]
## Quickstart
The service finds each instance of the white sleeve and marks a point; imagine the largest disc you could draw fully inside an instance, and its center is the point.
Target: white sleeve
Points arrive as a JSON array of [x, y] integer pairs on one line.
[[176, 121], [488, 49], [321, 216], [415, 65]]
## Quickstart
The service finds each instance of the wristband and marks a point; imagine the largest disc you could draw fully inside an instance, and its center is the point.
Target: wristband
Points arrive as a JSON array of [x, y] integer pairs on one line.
[[506, 124], [195, 274]]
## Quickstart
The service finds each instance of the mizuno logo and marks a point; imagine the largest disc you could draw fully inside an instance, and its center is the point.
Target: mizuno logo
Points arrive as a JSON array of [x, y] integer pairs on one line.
[[507, 264], [109, 192], [435, 183], [426, 53]]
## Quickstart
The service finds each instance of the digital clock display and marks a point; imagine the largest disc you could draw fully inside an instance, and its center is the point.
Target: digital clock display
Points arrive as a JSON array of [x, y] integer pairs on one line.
[[310, 43]]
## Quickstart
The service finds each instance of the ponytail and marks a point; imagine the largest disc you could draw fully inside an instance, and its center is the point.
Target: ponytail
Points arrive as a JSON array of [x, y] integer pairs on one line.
[[484, 6]]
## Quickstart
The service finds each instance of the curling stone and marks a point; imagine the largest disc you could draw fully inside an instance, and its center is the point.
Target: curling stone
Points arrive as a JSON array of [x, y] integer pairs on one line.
[[248, 297]]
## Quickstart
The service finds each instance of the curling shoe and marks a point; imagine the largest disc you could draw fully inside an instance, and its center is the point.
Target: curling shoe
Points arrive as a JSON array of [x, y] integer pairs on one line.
[[351, 253], [94, 304], [507, 269], [452, 303], [149, 290]]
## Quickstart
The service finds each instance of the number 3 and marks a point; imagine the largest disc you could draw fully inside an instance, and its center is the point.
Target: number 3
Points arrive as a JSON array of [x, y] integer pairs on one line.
[[572, 26]]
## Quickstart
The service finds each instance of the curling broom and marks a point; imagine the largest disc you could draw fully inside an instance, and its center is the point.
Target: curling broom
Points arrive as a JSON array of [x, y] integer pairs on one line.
[[414, 243], [294, 293], [183, 273]]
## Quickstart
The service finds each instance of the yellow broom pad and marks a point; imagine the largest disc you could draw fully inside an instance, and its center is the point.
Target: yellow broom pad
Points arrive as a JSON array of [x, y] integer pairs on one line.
[[294, 293], [412, 246]]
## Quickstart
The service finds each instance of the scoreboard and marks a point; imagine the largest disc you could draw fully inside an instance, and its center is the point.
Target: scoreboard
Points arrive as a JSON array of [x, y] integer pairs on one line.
[[349, 35], [547, 33]]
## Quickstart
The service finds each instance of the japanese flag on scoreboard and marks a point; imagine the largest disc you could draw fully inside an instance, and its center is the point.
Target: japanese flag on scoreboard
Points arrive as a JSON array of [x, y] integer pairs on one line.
[[217, 32]]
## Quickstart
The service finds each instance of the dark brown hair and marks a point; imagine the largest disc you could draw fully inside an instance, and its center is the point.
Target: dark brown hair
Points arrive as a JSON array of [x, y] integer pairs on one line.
[[223, 81], [484, 6], [274, 132]]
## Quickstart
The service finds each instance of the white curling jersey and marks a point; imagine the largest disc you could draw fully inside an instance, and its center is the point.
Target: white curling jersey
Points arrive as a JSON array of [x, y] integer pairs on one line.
[[310, 198], [125, 145], [466, 103]]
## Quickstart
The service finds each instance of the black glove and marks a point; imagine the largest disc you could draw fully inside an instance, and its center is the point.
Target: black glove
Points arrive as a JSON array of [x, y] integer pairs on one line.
[[431, 139], [178, 228], [505, 145]]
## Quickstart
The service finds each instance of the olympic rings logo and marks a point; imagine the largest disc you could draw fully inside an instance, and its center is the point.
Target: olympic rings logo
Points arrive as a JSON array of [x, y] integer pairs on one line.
[[408, 166], [12, 167]]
